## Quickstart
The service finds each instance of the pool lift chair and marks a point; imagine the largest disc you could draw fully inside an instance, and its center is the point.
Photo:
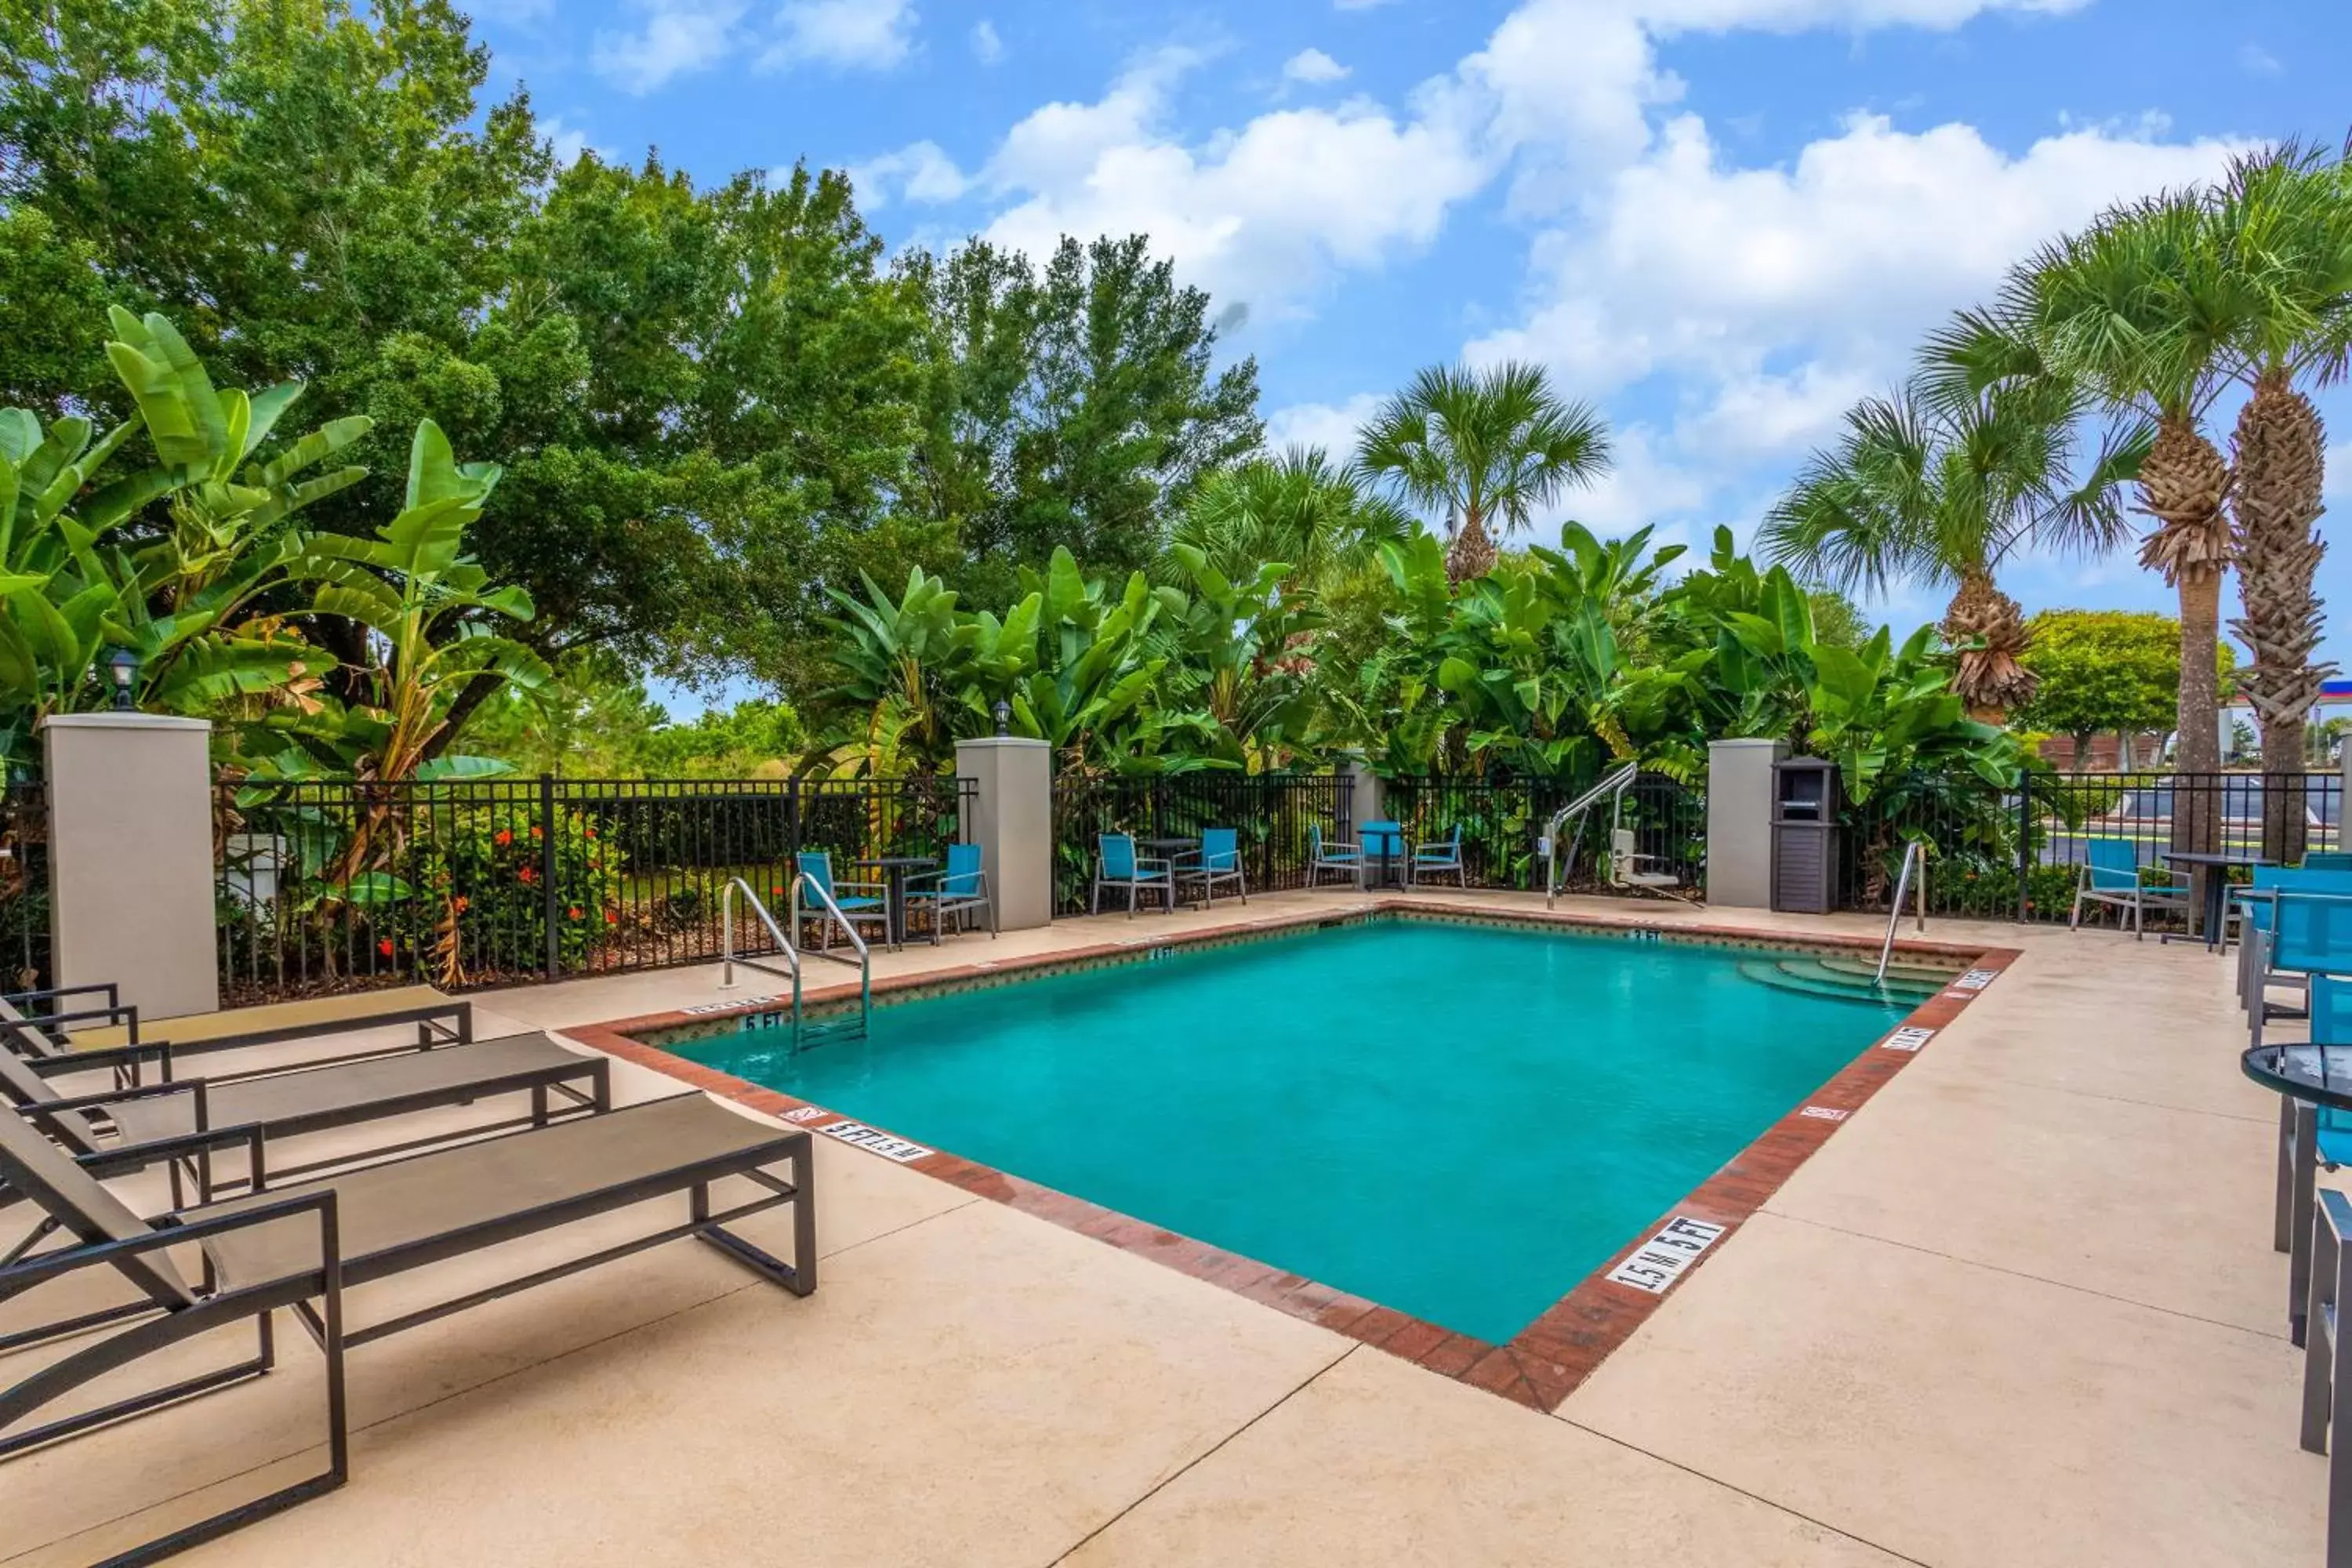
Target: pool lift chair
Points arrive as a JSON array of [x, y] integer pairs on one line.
[[1564, 835]]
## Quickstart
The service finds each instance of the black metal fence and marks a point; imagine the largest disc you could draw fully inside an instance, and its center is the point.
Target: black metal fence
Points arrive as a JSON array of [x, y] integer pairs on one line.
[[1502, 822], [25, 962], [329, 886], [2017, 854], [1273, 815]]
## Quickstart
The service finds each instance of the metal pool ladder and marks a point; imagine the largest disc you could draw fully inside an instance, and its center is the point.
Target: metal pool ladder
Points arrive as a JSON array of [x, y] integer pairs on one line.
[[806, 1030], [1915, 855], [1576, 811]]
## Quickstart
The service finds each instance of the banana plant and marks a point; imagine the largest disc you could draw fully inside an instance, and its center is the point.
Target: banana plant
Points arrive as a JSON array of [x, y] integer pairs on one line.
[[69, 589], [428, 609]]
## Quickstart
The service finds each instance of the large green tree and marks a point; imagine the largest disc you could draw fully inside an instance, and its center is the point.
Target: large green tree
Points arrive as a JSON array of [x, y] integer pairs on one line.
[[1076, 404], [2105, 671]]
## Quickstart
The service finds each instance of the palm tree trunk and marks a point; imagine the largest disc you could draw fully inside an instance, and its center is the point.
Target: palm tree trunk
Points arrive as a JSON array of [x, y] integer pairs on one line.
[[2279, 447], [1472, 554], [2197, 801]]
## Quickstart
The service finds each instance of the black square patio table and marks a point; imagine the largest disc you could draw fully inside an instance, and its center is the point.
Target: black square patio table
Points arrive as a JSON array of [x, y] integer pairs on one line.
[[2211, 865], [895, 870]]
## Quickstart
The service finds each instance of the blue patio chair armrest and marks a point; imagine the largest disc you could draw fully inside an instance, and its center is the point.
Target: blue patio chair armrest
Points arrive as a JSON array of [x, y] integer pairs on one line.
[[841, 888], [1165, 864]]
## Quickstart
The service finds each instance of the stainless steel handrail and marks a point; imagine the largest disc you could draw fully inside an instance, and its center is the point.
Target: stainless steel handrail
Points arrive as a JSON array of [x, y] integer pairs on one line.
[[1615, 783], [728, 958], [865, 955], [1914, 854]]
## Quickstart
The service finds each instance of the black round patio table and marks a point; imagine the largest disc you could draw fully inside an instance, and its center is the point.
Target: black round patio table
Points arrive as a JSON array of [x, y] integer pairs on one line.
[[2211, 865], [895, 870], [2317, 1075]]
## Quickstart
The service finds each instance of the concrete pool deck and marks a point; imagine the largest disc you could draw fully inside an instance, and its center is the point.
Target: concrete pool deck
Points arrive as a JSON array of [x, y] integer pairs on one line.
[[2021, 1308]]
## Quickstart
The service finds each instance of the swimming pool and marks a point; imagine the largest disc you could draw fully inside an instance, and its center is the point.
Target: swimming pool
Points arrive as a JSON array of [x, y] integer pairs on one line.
[[1458, 1120]]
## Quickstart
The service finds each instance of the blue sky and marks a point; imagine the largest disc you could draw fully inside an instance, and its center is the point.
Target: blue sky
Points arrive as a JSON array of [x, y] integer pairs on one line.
[[1722, 220]]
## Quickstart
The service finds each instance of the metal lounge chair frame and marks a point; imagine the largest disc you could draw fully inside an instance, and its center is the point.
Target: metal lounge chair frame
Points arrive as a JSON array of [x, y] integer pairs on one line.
[[305, 1100], [437, 1024], [1145, 873], [1219, 860], [108, 1235]]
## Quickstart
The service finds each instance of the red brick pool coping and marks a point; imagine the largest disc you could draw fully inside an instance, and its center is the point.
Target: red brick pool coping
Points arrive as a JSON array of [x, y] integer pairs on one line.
[[1546, 1361]]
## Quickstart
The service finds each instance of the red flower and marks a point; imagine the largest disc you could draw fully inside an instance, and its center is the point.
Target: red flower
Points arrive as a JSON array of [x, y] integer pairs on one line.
[[573, 913], [384, 947], [591, 833], [528, 874], [534, 830], [503, 836], [461, 903], [611, 918]]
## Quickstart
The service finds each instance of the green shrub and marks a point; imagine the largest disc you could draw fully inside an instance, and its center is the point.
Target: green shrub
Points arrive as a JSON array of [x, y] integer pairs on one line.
[[480, 902]]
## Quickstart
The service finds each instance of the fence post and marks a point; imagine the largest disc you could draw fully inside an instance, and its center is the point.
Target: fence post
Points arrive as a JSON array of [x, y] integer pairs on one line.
[[2024, 846], [550, 902]]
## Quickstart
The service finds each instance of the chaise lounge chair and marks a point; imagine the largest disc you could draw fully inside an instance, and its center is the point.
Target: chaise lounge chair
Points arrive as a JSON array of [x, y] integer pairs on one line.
[[305, 1247], [291, 1104]]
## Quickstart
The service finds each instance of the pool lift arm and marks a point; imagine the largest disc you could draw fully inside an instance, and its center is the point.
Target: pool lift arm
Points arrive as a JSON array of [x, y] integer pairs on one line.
[[1572, 817]]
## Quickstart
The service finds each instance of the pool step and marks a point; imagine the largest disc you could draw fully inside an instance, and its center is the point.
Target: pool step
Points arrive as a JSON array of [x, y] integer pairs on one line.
[[1846, 980]]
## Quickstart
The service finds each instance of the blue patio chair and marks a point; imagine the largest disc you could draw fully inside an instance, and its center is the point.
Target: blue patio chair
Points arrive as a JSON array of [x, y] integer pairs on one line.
[[2328, 860], [1332, 855], [2253, 907], [954, 893], [1436, 859], [1219, 860], [856, 901], [2310, 936], [2311, 1139], [2111, 875], [1116, 865]]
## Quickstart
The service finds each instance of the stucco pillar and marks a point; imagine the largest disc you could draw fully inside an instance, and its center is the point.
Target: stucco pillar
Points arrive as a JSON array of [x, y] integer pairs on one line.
[[1739, 822], [1013, 823], [130, 858], [1364, 800]]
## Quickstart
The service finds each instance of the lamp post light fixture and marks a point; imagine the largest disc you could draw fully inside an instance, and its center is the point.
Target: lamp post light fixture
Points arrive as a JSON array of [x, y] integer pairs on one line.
[[1003, 712], [122, 668]]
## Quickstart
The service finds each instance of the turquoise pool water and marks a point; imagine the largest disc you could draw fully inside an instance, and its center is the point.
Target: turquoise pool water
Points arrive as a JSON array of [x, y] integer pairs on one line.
[[1457, 1121]]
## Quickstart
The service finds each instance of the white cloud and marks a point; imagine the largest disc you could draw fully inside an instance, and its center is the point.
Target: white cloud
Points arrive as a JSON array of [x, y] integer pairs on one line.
[[987, 48], [678, 37], [1333, 428], [919, 172], [1677, 261], [871, 35], [2256, 61], [568, 143], [1313, 67], [1643, 485], [1259, 215]]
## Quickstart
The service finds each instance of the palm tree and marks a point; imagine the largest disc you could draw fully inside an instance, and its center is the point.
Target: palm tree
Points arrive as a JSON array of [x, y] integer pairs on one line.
[[1937, 487], [2285, 215], [1298, 507], [1489, 446], [2143, 309]]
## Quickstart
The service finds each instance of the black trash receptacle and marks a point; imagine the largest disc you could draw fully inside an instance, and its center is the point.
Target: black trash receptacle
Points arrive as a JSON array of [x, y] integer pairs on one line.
[[1804, 835]]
